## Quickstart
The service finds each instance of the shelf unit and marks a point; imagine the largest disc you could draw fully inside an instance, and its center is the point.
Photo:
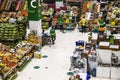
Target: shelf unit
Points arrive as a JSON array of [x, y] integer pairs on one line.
[[25, 58], [109, 27], [10, 34], [46, 22]]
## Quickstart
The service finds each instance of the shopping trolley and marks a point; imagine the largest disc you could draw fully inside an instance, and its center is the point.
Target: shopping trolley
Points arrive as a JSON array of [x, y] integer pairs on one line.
[[46, 40], [77, 61]]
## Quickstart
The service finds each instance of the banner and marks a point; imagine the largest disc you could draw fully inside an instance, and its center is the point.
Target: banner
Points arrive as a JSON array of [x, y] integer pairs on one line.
[[34, 10]]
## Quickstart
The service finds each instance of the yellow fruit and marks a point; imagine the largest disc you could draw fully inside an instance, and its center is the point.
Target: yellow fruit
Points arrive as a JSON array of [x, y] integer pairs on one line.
[[80, 47], [113, 23]]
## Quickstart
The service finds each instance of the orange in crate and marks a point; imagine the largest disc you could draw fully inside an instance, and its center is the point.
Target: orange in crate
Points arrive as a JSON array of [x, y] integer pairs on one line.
[[101, 29], [24, 12]]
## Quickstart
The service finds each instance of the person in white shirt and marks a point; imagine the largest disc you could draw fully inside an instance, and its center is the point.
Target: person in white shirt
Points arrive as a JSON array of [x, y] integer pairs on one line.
[[12, 20]]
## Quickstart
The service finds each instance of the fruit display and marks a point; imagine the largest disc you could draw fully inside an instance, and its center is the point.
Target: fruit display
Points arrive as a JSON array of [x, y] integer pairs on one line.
[[32, 38], [113, 16], [45, 25], [11, 32], [21, 5], [3, 4], [13, 59], [45, 21], [18, 8], [13, 5], [48, 12], [46, 17], [22, 31], [8, 31]]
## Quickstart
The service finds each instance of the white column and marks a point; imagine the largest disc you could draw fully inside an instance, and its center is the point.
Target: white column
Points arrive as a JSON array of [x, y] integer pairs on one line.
[[36, 26]]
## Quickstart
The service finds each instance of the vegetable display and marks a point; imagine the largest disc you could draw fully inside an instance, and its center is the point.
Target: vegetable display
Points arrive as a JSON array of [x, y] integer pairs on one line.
[[11, 32]]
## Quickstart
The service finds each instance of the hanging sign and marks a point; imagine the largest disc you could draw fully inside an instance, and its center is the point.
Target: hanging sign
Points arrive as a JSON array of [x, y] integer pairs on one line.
[[34, 10]]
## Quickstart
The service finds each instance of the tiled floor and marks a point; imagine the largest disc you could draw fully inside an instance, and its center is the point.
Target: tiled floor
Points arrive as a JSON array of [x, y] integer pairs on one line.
[[56, 66]]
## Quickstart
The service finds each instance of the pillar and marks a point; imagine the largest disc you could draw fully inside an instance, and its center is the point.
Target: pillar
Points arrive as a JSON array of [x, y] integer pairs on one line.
[[34, 16]]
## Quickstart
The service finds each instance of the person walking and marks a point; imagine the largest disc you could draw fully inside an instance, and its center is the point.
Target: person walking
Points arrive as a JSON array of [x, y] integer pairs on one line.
[[53, 35], [83, 23]]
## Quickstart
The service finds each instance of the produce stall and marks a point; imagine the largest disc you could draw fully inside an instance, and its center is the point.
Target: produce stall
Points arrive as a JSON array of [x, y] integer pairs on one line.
[[83, 60], [47, 14], [10, 34], [13, 8], [65, 19], [14, 59]]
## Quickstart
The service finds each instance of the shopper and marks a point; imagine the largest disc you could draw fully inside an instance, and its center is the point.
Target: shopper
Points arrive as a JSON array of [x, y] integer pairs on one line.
[[83, 23], [88, 76], [45, 38], [53, 35], [45, 34]]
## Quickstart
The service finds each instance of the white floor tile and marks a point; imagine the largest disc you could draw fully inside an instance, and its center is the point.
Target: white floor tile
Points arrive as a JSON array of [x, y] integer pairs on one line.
[[58, 61]]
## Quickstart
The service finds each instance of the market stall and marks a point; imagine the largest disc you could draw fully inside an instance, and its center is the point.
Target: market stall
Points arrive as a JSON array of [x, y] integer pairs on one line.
[[11, 34], [13, 8], [13, 59]]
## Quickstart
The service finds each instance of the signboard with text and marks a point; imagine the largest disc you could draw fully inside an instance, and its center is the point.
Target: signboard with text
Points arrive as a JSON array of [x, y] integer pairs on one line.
[[34, 10]]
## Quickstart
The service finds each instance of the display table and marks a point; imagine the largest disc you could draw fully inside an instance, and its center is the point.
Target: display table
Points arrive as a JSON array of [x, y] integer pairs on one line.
[[115, 73], [114, 47], [104, 56], [109, 27], [103, 72], [104, 45]]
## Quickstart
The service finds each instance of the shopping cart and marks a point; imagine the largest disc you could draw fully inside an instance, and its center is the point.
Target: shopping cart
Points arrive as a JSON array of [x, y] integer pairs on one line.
[[76, 60], [46, 40]]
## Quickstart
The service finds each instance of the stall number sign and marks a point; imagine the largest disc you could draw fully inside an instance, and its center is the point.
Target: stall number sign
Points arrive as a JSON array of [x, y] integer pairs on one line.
[[34, 10]]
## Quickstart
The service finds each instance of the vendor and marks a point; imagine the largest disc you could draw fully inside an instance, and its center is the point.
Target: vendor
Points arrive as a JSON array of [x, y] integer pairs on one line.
[[101, 23], [61, 22], [53, 35], [111, 39]]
